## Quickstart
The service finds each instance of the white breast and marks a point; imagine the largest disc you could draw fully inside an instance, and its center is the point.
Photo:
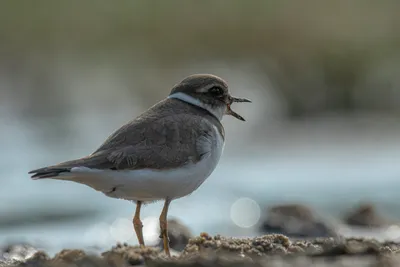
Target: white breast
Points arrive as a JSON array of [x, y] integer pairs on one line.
[[149, 184]]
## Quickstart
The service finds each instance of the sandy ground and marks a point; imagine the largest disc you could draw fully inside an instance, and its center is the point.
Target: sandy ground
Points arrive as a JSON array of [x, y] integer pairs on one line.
[[205, 250]]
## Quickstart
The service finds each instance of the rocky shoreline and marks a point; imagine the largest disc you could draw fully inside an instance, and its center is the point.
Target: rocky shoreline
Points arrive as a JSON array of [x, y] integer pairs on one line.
[[289, 235], [205, 250]]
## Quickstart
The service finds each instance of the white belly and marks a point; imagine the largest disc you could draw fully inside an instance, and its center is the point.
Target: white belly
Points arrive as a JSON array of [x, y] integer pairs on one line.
[[147, 184]]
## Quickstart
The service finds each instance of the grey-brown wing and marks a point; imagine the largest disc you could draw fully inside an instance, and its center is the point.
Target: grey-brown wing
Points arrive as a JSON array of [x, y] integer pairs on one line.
[[168, 142], [164, 144], [154, 142]]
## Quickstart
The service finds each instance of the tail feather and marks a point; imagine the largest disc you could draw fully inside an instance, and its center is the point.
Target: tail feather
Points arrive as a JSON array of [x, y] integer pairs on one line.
[[47, 172], [95, 160]]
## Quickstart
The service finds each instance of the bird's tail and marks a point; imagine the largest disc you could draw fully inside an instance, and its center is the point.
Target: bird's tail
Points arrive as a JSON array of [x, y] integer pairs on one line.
[[47, 172], [65, 167]]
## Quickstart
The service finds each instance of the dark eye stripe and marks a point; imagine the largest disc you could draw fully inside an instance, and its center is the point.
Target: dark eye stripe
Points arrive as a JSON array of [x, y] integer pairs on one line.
[[216, 91]]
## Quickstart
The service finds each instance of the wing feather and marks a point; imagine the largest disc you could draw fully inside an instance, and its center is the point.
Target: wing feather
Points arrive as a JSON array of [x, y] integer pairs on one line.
[[154, 140], [166, 149]]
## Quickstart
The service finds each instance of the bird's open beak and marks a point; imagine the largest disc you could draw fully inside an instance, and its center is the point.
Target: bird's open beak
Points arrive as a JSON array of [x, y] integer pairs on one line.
[[229, 111]]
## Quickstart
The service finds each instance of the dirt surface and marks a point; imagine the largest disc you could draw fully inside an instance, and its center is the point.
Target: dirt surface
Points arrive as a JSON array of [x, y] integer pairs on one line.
[[205, 250]]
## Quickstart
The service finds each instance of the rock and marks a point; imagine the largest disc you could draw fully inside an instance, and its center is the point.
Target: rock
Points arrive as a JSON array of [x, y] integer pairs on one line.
[[296, 221], [17, 252], [69, 255], [209, 251], [365, 215], [268, 244], [38, 259], [277, 244], [124, 255], [179, 235]]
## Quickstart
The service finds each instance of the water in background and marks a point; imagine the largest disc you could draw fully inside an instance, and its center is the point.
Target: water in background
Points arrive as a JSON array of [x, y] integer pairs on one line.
[[328, 162], [323, 128]]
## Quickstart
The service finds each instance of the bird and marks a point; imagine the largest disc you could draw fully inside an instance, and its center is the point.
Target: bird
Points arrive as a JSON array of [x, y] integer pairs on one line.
[[163, 154]]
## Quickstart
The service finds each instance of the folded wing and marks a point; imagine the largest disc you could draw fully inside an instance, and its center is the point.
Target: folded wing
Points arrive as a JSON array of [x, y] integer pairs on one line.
[[165, 143]]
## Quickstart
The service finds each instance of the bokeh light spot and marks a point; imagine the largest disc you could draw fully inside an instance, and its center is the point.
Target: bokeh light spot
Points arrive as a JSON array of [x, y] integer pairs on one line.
[[151, 230], [245, 212]]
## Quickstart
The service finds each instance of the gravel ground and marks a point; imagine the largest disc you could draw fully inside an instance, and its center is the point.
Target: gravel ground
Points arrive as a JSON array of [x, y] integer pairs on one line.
[[205, 250]]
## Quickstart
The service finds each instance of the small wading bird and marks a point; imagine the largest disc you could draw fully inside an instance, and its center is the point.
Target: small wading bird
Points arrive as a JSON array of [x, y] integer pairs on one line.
[[165, 153]]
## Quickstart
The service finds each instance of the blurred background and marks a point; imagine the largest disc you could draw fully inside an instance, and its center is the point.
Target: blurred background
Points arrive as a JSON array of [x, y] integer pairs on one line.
[[322, 136]]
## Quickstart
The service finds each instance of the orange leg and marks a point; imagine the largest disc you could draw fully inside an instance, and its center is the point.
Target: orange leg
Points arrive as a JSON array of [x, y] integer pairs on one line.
[[137, 224], [164, 227]]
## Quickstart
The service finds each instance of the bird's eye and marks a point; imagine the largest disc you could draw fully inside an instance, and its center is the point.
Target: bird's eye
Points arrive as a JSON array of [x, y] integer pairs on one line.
[[216, 91]]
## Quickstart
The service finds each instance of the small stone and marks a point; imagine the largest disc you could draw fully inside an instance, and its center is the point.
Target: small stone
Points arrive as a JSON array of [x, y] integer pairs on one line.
[[205, 236], [38, 257], [70, 255], [365, 215], [178, 235], [17, 252], [296, 221]]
